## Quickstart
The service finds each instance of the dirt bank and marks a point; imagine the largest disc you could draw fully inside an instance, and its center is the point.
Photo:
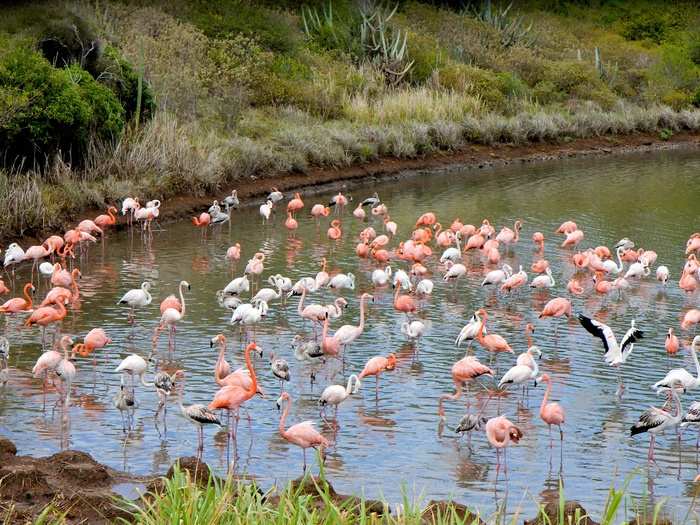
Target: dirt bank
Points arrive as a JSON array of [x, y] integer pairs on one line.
[[319, 180]]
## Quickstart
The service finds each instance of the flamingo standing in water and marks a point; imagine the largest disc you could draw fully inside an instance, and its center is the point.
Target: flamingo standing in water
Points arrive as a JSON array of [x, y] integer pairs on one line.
[[404, 303], [197, 414], [375, 366], [231, 398], [20, 304], [48, 361], [171, 314], [466, 369], [557, 307], [348, 333], [335, 232], [302, 434], [491, 342], [656, 420], [234, 252], [45, 316], [551, 413], [95, 339], [671, 344], [222, 368], [136, 298], [469, 331], [336, 394], [500, 432], [104, 221]]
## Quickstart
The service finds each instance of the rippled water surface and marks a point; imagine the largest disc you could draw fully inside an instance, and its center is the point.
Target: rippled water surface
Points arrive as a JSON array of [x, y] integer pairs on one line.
[[392, 445]]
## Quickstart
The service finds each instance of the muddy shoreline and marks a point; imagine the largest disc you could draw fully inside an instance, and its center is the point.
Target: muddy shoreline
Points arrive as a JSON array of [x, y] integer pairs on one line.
[[472, 157], [85, 491]]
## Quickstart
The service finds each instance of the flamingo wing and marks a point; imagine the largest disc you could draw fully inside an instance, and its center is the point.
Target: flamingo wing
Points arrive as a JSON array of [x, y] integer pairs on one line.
[[649, 420], [599, 330], [631, 336]]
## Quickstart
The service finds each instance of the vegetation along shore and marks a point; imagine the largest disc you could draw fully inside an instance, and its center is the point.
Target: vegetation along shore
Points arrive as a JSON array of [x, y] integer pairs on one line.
[[103, 99]]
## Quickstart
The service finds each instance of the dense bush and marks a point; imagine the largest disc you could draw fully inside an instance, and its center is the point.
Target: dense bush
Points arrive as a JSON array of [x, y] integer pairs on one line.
[[52, 111]]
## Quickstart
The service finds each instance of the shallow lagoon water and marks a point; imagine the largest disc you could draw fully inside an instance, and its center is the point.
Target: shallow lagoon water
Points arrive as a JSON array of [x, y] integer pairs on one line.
[[392, 446]]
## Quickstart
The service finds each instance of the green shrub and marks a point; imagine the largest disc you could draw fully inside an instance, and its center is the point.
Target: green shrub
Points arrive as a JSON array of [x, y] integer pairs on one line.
[[677, 99], [426, 54], [53, 110], [119, 75], [645, 26], [490, 87], [545, 92], [665, 134]]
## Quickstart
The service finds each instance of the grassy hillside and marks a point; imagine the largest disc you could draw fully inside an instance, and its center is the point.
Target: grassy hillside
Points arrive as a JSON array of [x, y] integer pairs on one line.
[[189, 96]]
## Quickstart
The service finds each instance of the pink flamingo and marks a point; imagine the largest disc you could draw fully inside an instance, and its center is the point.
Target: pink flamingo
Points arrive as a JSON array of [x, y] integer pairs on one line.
[[49, 360], [491, 342], [89, 226], [567, 227], [538, 239], [35, 253], [334, 232], [574, 287], [104, 221], [319, 210], [45, 316], [556, 307], [390, 225], [302, 434], [427, 219], [691, 317], [57, 294], [3, 288], [222, 368], [671, 343], [329, 345], [456, 225], [693, 244], [501, 432], [551, 413], [202, 221], [375, 366], [348, 333], [95, 339], [539, 266], [514, 281], [359, 212], [19, 304], [572, 238], [296, 204], [466, 369], [602, 286], [234, 252], [291, 223], [231, 398], [508, 236], [404, 303]]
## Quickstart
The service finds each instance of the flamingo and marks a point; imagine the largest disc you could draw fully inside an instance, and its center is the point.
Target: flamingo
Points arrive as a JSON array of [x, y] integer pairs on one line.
[[336, 394], [662, 274], [404, 303], [671, 344], [291, 223], [3, 287], [296, 204], [202, 221], [466, 369], [680, 377], [232, 200], [231, 398], [66, 372], [543, 281], [551, 413], [173, 315], [557, 307], [572, 238], [514, 281], [275, 195], [222, 368], [690, 318], [375, 366], [358, 212], [656, 420], [520, 373], [136, 298], [95, 339], [500, 432], [347, 333], [567, 227], [35, 253], [135, 365], [538, 239], [470, 330], [491, 342], [339, 200], [401, 279], [238, 286], [540, 266], [302, 434], [335, 232], [280, 369], [198, 415], [233, 253], [20, 304], [341, 280], [266, 209], [574, 287], [508, 236], [130, 205], [424, 287], [45, 316], [381, 277], [372, 201], [496, 277], [14, 254], [454, 271], [413, 330], [318, 211], [693, 244], [103, 221], [49, 360]]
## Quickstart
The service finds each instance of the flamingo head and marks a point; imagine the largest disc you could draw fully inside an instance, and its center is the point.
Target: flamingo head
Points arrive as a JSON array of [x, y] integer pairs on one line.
[[391, 361], [515, 434], [530, 328], [218, 339], [281, 399]]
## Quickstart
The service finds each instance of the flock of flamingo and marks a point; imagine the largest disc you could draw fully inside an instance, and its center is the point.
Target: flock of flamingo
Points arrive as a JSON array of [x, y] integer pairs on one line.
[[400, 264]]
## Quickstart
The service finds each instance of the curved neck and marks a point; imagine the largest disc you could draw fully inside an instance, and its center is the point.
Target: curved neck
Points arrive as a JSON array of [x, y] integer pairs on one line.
[[693, 352], [480, 333], [112, 218], [398, 289], [61, 310], [348, 389], [27, 296], [182, 300], [325, 329], [619, 259], [363, 305], [222, 356], [300, 308], [516, 229], [283, 417], [528, 331], [254, 381], [545, 398]]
